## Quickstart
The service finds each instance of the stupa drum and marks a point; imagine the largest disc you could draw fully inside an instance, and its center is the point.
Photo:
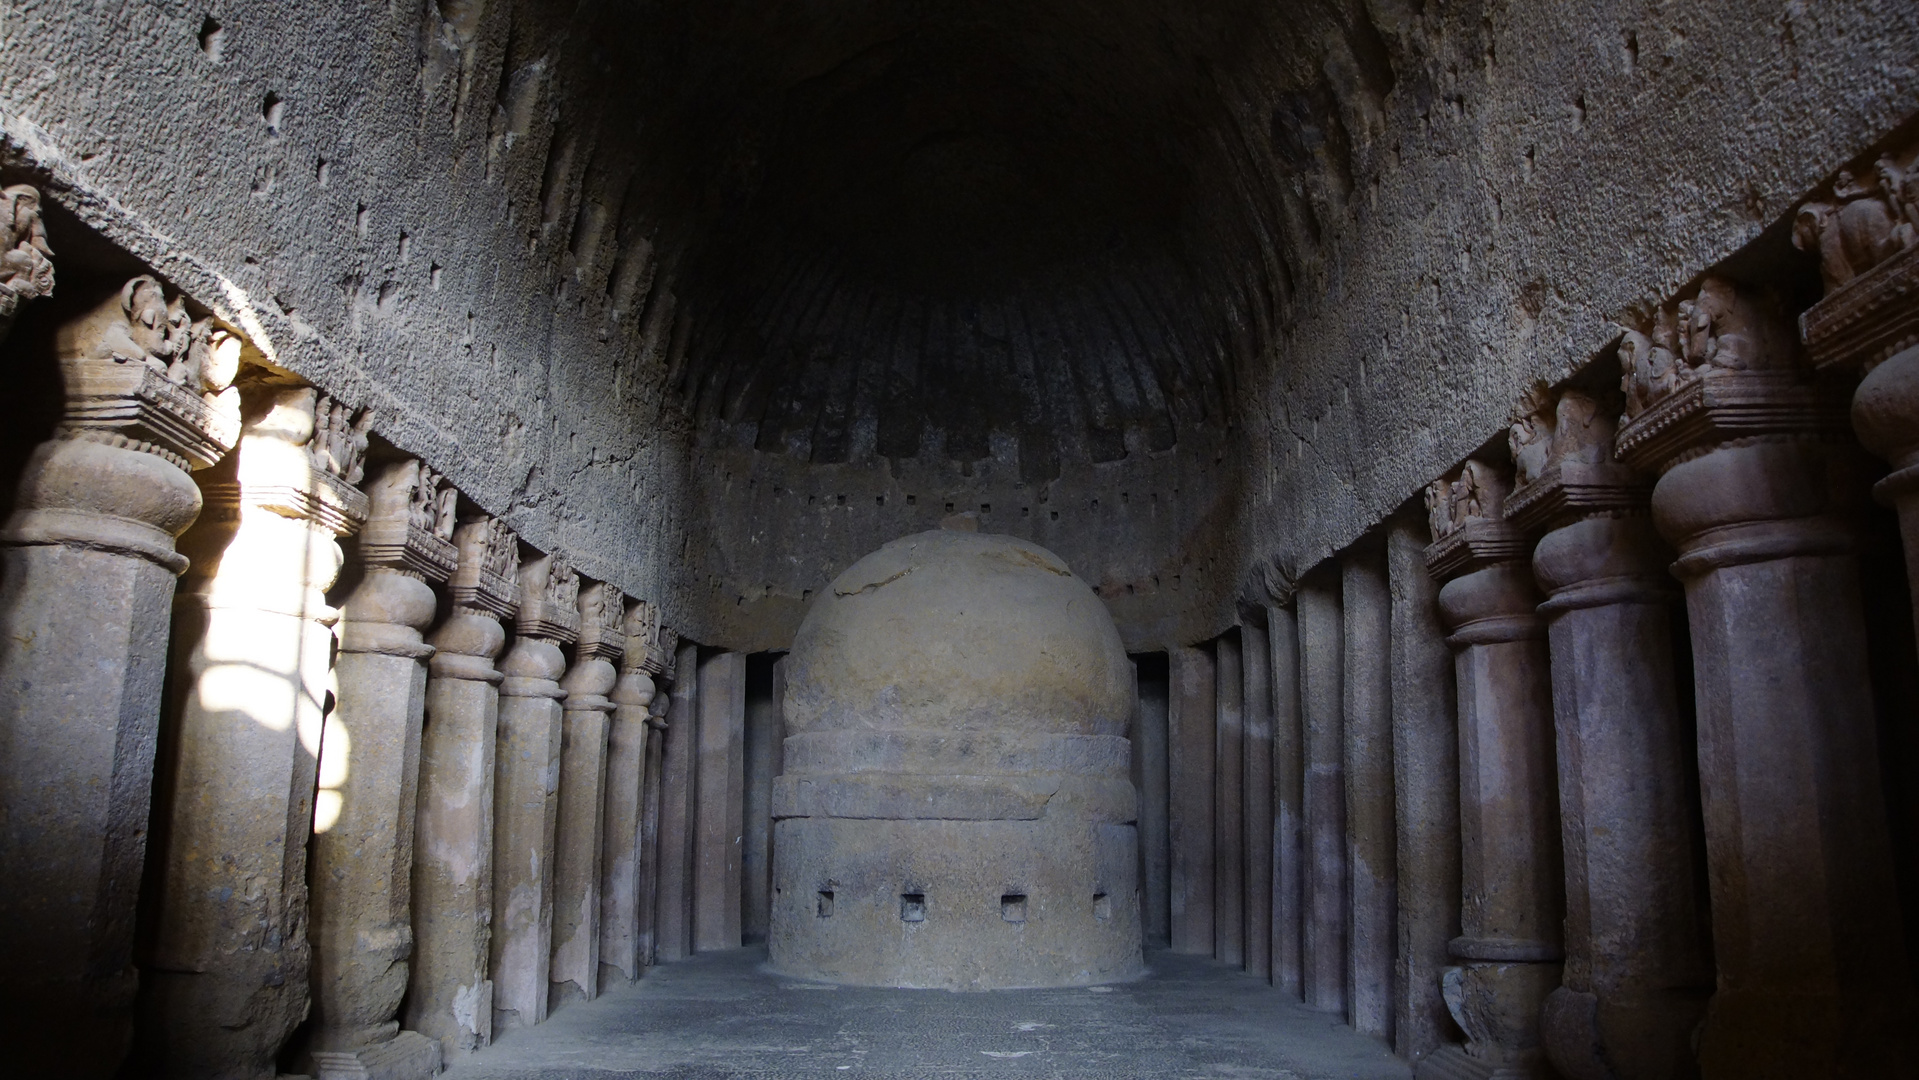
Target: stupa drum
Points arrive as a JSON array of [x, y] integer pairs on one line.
[[956, 809]]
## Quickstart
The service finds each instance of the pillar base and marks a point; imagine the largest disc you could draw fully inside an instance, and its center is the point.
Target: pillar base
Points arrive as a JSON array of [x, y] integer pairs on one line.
[[407, 1056]]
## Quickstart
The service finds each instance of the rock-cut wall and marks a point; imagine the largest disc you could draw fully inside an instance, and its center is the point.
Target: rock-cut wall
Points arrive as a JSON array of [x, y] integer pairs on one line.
[[405, 204]]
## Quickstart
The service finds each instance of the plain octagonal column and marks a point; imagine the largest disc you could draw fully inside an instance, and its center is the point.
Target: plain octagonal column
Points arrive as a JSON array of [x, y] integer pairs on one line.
[[1323, 883]]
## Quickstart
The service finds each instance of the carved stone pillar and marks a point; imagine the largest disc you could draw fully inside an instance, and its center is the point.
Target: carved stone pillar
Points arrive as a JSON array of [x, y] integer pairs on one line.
[[362, 924], [622, 856], [1868, 322], [1638, 967], [1806, 926], [1508, 951], [451, 996], [250, 670], [26, 265], [526, 788], [87, 571], [581, 829]]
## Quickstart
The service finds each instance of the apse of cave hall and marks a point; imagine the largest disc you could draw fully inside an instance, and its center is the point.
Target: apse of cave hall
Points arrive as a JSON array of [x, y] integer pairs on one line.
[[1304, 539]]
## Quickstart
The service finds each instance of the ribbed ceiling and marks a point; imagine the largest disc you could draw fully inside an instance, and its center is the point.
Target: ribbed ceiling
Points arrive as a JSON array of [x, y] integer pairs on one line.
[[941, 226]]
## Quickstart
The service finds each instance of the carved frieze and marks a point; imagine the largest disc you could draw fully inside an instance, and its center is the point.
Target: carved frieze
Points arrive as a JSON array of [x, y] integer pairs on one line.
[[140, 373], [602, 623], [549, 600], [26, 260], [410, 524], [1717, 366], [1466, 512], [1865, 232], [1563, 446], [487, 577]]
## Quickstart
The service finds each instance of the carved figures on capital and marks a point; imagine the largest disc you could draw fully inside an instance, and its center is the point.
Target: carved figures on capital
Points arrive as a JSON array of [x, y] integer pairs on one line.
[[139, 371], [1478, 492], [639, 629], [1722, 328], [26, 260], [1467, 515], [1864, 222], [339, 442], [602, 622], [549, 599], [410, 526], [486, 581]]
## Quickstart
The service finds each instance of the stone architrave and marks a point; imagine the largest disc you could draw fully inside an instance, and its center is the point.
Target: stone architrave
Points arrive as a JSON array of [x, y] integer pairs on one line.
[[1806, 926], [451, 995], [526, 790], [1325, 907], [229, 960], [89, 573], [1371, 836], [1229, 805], [1256, 670], [719, 798], [362, 877], [1508, 951], [26, 260], [1638, 967], [1289, 802], [1425, 791], [623, 851], [581, 828], [1189, 825], [674, 902]]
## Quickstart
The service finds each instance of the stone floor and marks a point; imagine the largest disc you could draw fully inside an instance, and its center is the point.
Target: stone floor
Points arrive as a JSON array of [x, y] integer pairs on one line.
[[720, 1015]]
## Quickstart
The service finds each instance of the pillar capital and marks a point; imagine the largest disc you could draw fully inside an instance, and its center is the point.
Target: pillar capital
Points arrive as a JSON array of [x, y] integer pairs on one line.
[[1564, 465], [549, 600], [1466, 511], [148, 399], [410, 522], [26, 260], [1865, 231], [602, 609], [1717, 367], [486, 577]]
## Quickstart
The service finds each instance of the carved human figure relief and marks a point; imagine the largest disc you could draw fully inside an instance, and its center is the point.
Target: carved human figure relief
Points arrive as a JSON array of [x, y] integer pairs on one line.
[[339, 442], [1531, 434], [26, 260]]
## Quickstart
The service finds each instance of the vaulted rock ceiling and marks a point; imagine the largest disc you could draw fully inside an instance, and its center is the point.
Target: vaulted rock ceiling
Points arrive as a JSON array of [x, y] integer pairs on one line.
[[916, 228]]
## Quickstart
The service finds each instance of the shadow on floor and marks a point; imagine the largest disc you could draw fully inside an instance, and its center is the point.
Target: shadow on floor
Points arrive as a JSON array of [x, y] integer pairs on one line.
[[719, 1015]]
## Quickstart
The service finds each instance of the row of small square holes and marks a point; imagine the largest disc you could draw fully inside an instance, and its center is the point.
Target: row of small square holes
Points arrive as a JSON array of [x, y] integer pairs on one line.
[[1012, 906]]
